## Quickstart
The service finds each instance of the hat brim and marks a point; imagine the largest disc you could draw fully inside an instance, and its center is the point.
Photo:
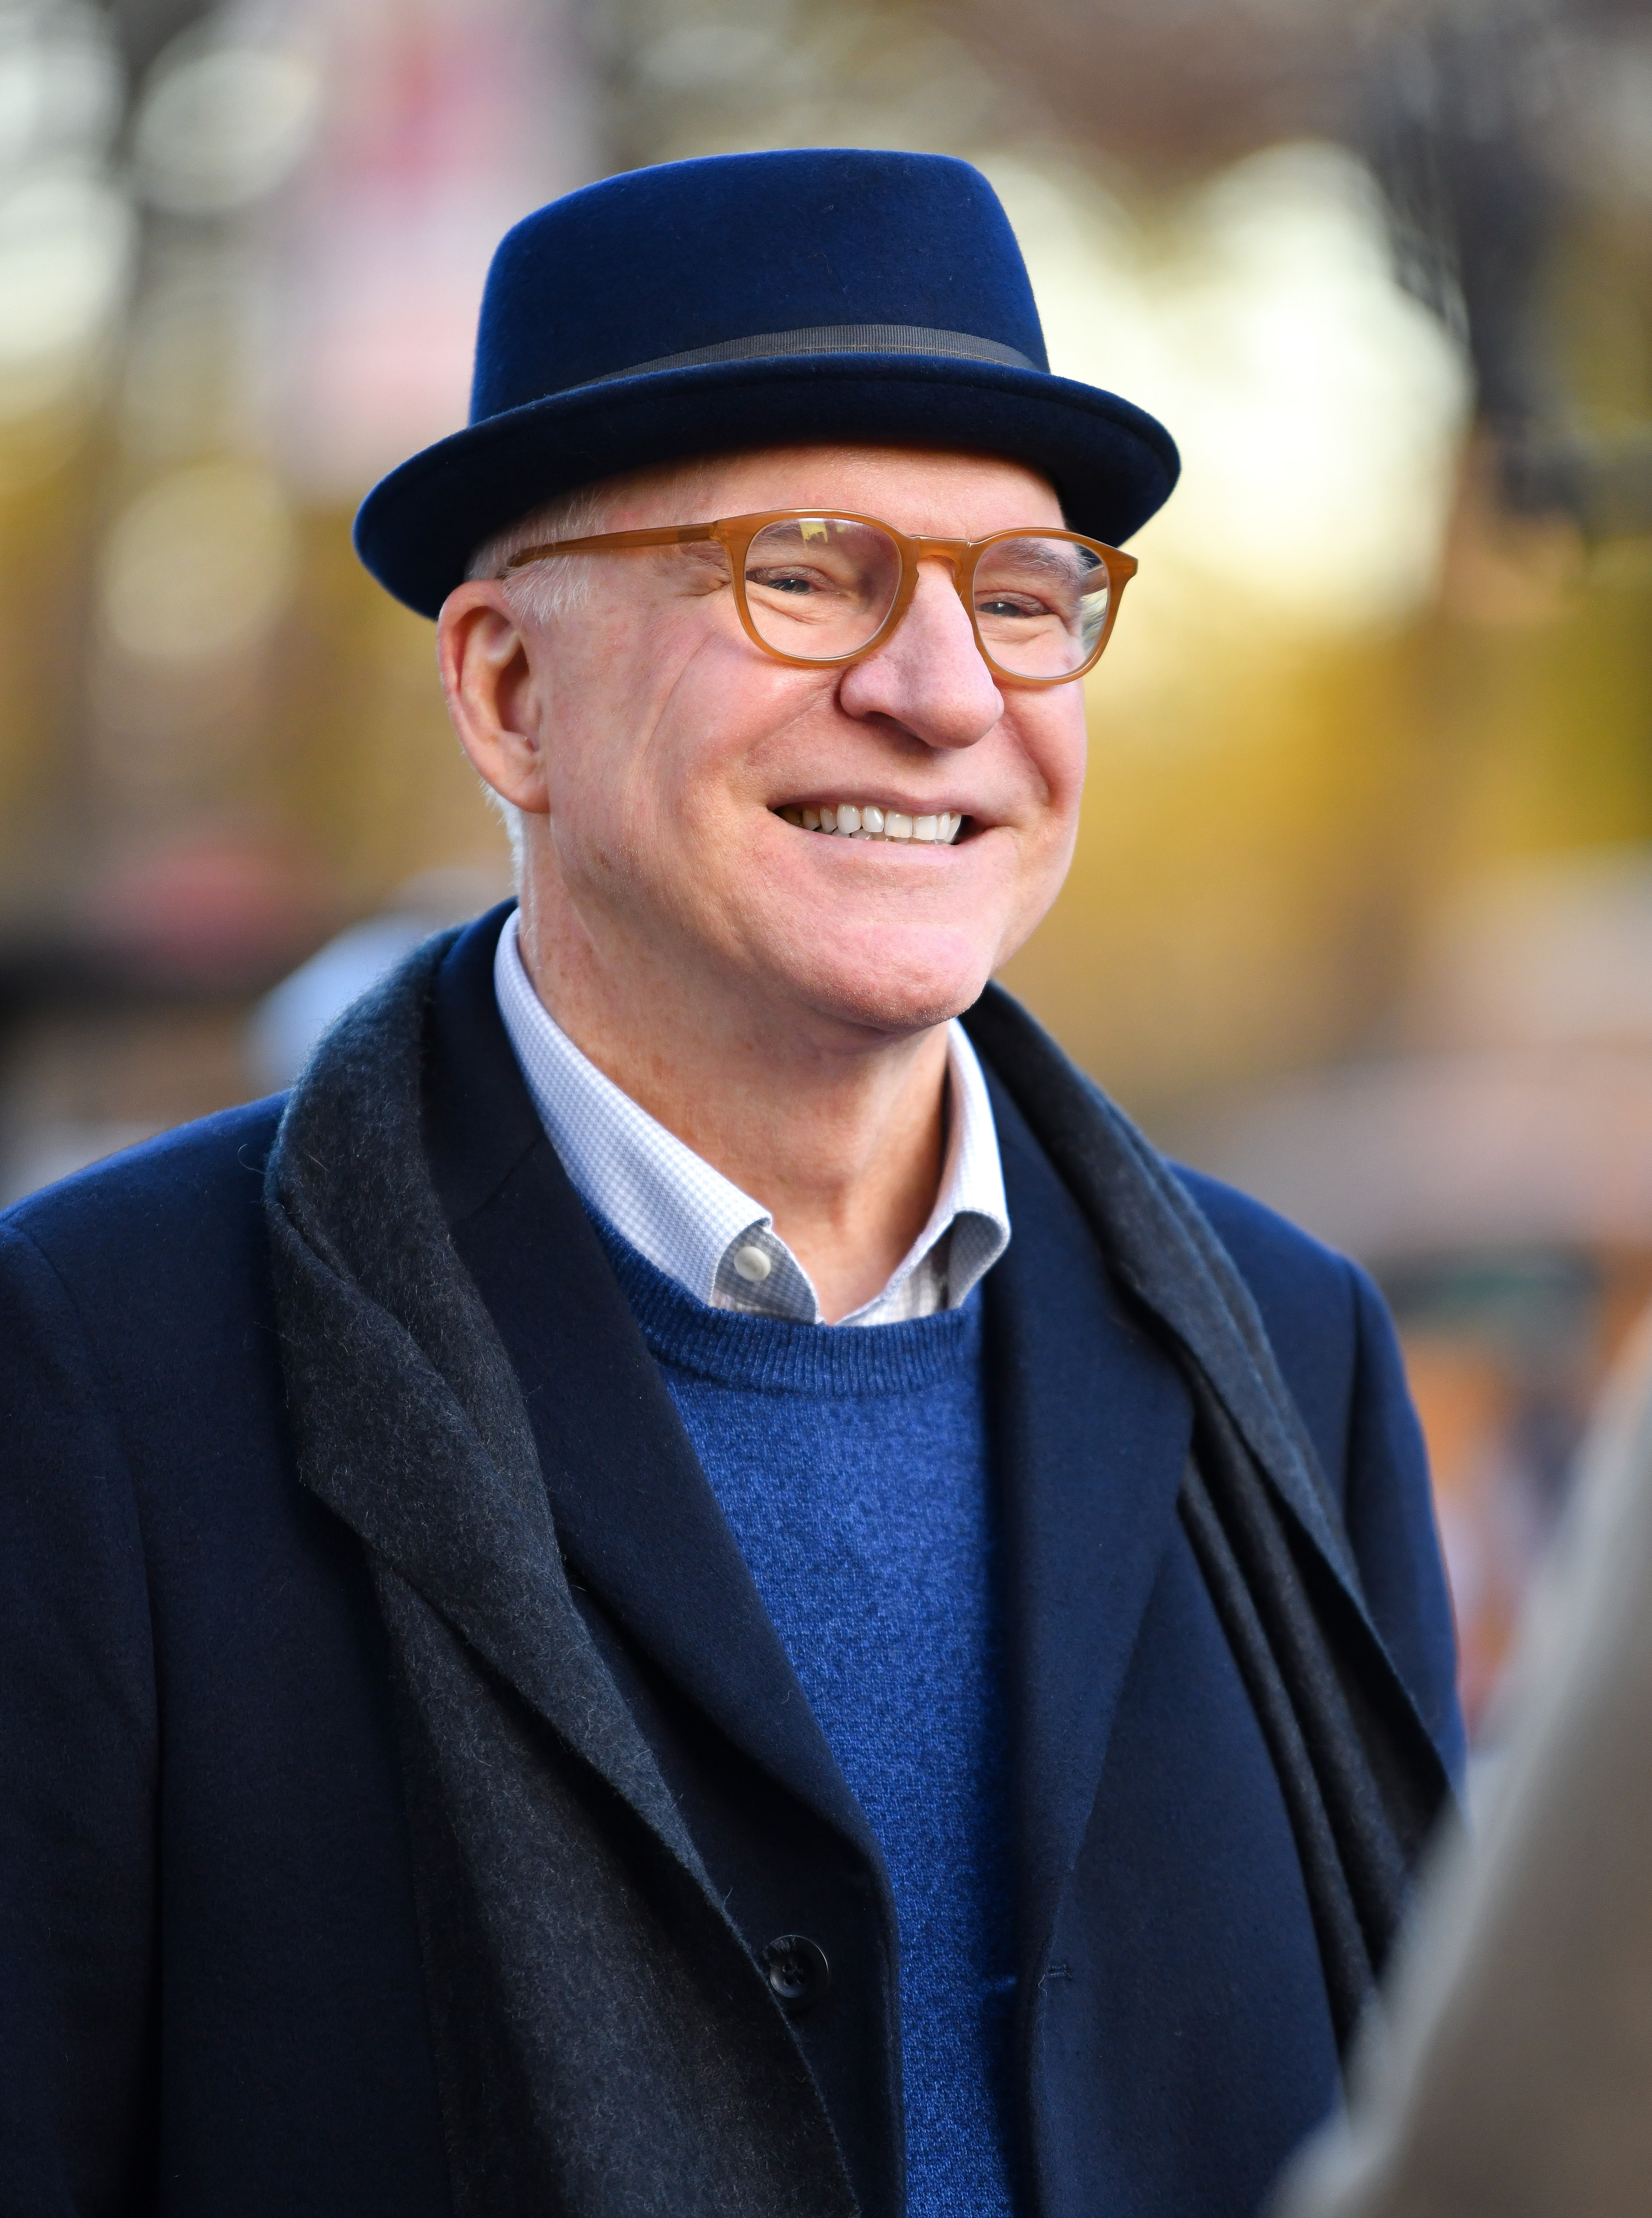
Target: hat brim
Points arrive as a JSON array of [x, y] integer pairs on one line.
[[1112, 464]]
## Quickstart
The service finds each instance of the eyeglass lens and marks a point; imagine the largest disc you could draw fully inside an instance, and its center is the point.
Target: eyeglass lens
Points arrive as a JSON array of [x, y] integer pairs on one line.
[[820, 586]]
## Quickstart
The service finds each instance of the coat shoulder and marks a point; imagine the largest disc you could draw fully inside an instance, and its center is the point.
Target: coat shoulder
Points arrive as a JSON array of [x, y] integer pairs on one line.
[[1315, 1303], [1275, 1257], [155, 1260], [172, 1203], [1335, 1342]]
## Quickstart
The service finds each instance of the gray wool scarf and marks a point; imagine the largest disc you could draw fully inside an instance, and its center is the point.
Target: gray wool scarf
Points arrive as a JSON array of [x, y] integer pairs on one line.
[[605, 2046]]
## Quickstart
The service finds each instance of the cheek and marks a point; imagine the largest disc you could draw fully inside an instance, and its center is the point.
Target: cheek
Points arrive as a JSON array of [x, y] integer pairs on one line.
[[1056, 752], [716, 730], [1066, 750], [654, 743], [1053, 744], [611, 678]]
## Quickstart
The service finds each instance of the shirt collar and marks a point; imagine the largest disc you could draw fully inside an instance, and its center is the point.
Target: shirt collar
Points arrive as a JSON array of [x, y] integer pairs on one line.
[[689, 1220]]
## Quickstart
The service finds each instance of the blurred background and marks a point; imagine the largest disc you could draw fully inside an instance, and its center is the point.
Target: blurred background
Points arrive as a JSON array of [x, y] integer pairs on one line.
[[1362, 914]]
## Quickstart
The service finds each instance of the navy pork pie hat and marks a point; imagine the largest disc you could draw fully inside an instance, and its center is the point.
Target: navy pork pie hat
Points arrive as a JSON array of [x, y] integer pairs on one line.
[[753, 301]]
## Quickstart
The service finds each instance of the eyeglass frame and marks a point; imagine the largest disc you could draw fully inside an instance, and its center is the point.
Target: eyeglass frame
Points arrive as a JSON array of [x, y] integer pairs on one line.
[[734, 533]]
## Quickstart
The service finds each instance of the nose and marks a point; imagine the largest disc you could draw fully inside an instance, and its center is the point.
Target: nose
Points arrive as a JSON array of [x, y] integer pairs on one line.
[[928, 677]]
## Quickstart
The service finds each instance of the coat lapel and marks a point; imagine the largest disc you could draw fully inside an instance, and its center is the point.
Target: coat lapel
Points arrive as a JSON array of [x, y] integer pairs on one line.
[[1164, 1251], [1093, 1425], [633, 1509], [407, 1420]]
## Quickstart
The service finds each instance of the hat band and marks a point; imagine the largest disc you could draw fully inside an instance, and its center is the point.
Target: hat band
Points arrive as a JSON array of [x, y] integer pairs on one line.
[[834, 338]]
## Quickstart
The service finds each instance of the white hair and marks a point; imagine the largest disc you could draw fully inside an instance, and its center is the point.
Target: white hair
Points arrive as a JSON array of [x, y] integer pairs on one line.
[[542, 592]]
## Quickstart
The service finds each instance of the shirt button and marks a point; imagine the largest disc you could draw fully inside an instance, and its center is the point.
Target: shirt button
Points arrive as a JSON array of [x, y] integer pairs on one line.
[[753, 1264], [797, 1971]]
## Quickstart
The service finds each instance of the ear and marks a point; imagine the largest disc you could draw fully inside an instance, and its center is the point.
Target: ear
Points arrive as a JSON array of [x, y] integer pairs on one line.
[[488, 676]]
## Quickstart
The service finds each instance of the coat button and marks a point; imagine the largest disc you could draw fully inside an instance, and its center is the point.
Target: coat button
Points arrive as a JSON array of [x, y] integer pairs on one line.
[[797, 1971]]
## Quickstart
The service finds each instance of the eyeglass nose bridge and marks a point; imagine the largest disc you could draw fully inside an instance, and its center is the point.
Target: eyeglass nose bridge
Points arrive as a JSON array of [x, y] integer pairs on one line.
[[961, 556], [951, 551]]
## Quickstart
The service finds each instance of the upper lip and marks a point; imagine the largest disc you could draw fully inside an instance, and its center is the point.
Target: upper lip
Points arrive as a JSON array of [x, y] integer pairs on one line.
[[847, 793]]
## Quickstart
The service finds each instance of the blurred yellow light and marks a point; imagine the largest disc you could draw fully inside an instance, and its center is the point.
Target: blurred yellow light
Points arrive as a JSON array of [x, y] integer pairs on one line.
[[1318, 408], [200, 565], [188, 385], [65, 250]]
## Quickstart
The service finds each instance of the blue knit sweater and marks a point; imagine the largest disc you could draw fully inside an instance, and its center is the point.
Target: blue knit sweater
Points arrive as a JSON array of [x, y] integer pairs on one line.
[[853, 1470]]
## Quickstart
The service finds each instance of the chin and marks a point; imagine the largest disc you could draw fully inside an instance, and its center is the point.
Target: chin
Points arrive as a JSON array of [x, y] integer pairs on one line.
[[899, 981]]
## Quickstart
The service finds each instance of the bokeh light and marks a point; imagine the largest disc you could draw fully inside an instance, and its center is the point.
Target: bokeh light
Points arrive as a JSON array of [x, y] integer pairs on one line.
[[219, 128], [199, 565], [1318, 408]]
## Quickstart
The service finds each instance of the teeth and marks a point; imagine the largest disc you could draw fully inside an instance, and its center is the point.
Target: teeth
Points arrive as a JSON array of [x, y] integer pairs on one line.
[[849, 821]]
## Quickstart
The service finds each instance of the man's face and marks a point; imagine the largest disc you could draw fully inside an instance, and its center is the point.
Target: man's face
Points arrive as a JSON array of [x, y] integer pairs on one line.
[[670, 745]]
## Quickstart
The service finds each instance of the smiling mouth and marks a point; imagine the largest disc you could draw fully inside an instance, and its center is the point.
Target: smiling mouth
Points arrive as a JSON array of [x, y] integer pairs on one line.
[[850, 820]]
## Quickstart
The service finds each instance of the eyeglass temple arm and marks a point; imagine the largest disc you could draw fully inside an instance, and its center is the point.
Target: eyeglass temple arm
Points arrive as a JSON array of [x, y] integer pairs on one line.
[[659, 534]]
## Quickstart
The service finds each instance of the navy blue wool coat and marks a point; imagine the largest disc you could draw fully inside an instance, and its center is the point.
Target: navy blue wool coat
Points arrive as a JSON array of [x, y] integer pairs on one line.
[[212, 2000]]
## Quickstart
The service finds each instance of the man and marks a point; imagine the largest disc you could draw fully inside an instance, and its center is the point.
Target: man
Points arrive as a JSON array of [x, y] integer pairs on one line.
[[686, 1586]]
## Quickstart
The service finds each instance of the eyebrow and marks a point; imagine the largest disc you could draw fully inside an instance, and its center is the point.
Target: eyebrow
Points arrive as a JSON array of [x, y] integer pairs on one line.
[[1042, 554]]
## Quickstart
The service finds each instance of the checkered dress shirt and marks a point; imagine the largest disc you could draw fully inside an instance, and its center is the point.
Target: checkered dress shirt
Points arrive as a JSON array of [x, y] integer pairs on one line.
[[692, 1223]]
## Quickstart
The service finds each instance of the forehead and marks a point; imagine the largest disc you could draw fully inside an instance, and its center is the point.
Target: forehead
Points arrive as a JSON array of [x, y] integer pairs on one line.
[[918, 489]]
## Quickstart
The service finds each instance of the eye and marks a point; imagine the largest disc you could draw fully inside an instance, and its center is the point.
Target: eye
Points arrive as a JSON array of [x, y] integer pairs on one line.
[[1012, 605], [783, 581]]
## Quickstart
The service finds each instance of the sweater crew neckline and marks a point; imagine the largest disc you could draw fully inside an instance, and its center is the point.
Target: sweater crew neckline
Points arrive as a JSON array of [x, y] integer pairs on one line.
[[776, 1355]]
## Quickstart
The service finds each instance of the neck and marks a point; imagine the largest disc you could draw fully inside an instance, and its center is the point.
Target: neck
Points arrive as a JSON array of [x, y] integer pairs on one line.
[[837, 1130]]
